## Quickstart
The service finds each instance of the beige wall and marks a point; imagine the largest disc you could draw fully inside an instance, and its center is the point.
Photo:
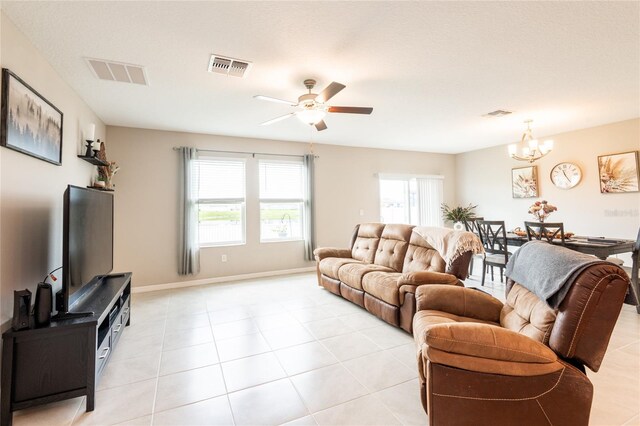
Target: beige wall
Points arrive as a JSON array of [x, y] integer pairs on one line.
[[30, 189], [146, 235], [484, 178]]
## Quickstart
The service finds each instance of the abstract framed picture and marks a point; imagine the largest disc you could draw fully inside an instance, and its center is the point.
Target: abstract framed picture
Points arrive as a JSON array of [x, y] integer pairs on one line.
[[29, 124], [618, 172], [524, 182]]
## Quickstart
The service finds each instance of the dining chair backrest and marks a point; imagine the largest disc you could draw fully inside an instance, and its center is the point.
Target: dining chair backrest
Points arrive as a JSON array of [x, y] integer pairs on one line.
[[471, 225], [493, 237], [545, 231]]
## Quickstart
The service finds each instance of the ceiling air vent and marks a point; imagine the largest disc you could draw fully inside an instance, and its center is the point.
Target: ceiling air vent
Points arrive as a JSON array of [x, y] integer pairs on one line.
[[497, 113], [228, 66], [118, 71]]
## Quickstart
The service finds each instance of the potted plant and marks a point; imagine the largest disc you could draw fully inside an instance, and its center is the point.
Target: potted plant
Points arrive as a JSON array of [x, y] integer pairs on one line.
[[458, 215]]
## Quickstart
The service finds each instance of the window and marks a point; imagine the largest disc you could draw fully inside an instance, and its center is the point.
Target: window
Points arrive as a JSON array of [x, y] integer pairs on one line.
[[281, 200], [408, 199], [220, 188], [395, 201]]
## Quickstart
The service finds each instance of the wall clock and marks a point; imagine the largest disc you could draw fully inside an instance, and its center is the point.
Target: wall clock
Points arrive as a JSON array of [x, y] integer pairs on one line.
[[566, 175]]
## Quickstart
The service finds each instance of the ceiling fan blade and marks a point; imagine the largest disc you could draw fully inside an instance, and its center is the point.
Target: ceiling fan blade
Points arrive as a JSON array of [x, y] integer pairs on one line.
[[321, 125], [350, 110], [275, 120], [329, 92], [270, 99]]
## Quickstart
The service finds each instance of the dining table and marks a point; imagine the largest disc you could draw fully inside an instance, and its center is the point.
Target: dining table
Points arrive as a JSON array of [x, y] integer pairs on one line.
[[601, 247]]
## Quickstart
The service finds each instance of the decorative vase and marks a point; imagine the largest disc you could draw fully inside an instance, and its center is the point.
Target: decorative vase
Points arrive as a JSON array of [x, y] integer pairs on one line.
[[458, 226]]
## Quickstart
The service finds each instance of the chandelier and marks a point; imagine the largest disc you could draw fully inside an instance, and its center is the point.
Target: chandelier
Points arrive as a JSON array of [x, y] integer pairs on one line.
[[532, 150]]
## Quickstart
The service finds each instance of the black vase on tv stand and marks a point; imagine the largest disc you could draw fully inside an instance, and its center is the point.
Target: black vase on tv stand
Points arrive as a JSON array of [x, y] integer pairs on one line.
[[43, 305]]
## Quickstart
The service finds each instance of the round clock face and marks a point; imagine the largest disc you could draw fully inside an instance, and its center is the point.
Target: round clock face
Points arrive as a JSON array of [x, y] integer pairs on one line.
[[566, 175]]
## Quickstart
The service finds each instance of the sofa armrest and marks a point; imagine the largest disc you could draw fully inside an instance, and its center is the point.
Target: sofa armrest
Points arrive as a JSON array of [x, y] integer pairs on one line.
[[461, 301], [488, 349], [426, 277], [323, 252], [409, 282]]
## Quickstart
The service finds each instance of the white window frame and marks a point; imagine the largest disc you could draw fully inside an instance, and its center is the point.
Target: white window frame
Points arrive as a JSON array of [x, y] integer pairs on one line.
[[222, 201], [262, 200], [408, 178], [407, 199]]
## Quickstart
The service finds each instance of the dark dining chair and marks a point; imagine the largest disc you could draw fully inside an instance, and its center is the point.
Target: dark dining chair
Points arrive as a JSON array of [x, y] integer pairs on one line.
[[494, 239], [633, 296], [471, 225], [545, 231]]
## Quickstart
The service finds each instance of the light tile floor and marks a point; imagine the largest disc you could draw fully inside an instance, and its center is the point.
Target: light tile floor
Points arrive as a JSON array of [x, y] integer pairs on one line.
[[282, 350]]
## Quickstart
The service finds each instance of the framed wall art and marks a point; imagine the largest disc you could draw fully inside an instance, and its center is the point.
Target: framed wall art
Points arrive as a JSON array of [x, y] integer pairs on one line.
[[29, 124], [524, 182], [618, 172]]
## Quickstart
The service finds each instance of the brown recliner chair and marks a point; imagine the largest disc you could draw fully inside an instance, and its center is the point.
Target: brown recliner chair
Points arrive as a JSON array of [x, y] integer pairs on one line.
[[484, 362]]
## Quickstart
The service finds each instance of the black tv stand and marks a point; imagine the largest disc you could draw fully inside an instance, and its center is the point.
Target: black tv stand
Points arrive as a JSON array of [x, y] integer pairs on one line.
[[61, 316], [65, 358]]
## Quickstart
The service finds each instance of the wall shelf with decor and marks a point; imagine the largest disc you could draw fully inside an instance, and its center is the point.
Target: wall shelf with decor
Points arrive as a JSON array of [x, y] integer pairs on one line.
[[93, 160]]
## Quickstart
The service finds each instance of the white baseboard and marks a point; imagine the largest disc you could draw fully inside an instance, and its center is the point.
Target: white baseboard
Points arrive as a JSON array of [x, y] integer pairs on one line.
[[216, 280]]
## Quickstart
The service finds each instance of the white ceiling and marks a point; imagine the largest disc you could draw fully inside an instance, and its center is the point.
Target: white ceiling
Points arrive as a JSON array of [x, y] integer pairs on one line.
[[429, 69]]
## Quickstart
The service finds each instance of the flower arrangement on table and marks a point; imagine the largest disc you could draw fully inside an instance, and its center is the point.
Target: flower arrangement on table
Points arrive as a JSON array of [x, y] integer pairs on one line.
[[542, 209]]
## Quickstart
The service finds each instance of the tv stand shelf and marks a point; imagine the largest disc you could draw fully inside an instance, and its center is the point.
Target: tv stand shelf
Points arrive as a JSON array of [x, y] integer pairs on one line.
[[66, 358]]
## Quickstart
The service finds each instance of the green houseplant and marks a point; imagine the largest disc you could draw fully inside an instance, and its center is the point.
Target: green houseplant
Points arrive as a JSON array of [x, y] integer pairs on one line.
[[458, 214]]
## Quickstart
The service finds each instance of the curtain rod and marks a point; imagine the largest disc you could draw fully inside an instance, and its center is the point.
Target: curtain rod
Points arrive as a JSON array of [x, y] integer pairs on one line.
[[177, 148]]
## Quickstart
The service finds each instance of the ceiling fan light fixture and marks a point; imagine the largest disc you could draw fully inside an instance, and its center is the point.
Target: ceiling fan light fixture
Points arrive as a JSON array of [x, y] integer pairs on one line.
[[311, 116]]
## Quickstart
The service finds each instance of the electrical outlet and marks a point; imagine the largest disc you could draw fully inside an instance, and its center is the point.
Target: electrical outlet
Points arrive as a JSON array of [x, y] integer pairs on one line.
[[224, 258]]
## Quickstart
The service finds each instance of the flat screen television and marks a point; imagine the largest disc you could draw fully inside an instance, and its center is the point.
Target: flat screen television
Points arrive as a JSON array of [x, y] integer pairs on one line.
[[87, 241]]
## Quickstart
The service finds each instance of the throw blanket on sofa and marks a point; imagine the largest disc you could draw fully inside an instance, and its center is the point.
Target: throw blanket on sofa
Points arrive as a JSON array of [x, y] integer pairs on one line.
[[450, 244], [547, 270]]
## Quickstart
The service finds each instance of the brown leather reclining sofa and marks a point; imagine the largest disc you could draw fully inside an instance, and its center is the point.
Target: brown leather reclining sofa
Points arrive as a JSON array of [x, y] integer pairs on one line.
[[483, 362], [383, 268]]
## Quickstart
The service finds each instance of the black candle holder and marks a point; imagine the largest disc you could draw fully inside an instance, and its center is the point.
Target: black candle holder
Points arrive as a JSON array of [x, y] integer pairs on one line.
[[89, 145]]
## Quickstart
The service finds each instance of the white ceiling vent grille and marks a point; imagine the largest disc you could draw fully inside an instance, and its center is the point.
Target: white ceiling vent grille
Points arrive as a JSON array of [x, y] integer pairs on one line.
[[118, 71], [498, 113], [228, 66]]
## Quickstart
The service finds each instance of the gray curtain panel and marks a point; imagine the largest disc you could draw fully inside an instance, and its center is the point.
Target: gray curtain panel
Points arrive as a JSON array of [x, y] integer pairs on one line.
[[309, 219], [189, 261]]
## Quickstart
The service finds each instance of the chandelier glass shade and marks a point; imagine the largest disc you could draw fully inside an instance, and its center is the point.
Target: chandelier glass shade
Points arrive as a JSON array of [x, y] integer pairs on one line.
[[532, 149]]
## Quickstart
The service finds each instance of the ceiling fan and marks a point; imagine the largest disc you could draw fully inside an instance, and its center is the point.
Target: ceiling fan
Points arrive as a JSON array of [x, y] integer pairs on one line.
[[313, 108]]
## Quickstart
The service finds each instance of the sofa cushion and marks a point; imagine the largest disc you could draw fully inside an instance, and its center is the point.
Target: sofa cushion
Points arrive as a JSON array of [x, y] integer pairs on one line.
[[383, 285], [526, 314], [366, 242], [422, 257], [352, 274], [392, 247], [329, 266], [423, 320]]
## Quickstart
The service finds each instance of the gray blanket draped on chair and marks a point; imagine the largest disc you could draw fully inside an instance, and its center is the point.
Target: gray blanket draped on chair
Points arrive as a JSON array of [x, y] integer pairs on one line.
[[547, 270]]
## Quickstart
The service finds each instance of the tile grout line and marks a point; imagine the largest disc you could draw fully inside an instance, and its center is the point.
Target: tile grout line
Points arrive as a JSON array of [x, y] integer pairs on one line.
[[288, 378], [155, 391], [224, 381]]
